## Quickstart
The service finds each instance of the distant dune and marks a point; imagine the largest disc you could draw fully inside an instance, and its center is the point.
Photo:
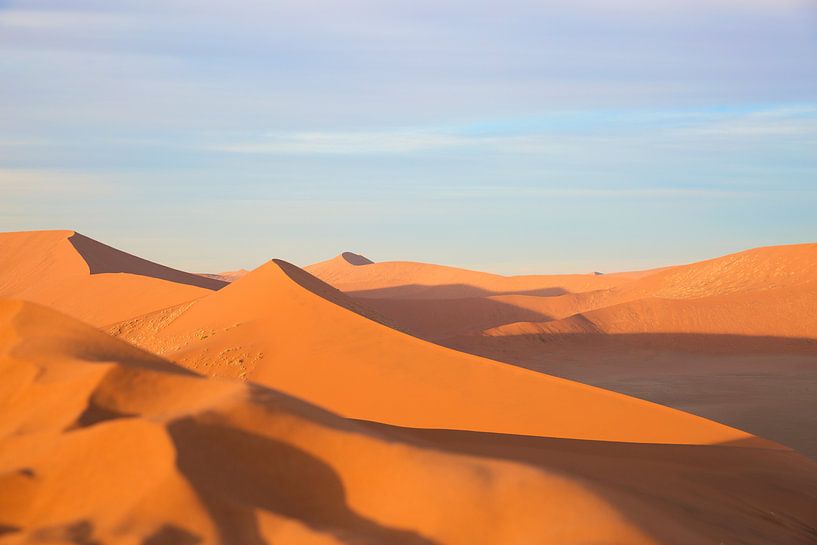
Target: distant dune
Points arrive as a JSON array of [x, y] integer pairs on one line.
[[89, 280], [228, 276], [411, 294], [405, 279], [103, 443], [732, 338]]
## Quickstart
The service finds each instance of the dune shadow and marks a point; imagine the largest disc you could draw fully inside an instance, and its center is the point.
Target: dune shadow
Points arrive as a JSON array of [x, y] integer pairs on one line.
[[425, 318], [761, 384], [688, 342], [447, 291], [7, 529], [78, 532], [688, 479], [169, 534], [102, 259], [328, 292], [236, 473], [436, 319], [356, 259]]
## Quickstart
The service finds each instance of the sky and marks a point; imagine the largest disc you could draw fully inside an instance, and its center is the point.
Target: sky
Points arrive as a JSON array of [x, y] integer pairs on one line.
[[522, 136]]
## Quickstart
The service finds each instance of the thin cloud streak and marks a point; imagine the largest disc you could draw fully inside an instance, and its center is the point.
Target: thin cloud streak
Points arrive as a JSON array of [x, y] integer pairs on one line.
[[771, 123]]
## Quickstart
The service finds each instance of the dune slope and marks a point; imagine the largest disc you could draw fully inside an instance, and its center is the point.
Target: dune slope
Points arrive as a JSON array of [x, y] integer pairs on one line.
[[89, 280], [282, 327], [732, 338], [403, 279], [103, 443]]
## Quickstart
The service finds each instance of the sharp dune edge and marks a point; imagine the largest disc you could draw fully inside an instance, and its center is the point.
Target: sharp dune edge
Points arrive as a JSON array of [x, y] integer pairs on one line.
[[104, 443], [89, 280]]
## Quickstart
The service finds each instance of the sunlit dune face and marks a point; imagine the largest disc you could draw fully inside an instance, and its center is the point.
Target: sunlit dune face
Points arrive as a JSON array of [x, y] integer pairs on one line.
[[164, 456]]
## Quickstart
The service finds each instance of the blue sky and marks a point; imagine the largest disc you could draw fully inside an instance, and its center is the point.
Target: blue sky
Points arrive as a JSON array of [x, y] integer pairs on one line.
[[517, 136]]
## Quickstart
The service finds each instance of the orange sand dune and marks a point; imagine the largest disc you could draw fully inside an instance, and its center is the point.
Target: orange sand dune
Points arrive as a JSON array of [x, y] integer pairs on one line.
[[89, 280], [228, 276], [782, 312], [282, 327], [363, 278], [441, 319], [456, 303], [732, 338], [103, 443], [765, 268], [765, 291]]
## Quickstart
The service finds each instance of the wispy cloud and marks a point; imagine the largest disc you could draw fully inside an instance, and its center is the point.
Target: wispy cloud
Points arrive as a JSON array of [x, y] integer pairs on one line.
[[362, 142], [569, 131], [780, 122]]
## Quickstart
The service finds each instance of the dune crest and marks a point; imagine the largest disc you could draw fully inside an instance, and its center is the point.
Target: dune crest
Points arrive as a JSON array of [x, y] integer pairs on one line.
[[90, 280]]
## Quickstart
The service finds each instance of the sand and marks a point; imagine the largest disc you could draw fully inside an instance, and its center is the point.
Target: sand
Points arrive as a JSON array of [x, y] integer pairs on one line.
[[103, 443], [271, 407], [281, 327], [89, 280], [363, 278], [732, 338]]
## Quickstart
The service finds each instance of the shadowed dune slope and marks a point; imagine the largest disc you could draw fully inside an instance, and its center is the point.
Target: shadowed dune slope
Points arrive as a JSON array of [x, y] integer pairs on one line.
[[282, 327], [765, 291], [227, 276], [781, 312], [103, 443], [406, 279], [732, 338], [89, 280], [441, 304]]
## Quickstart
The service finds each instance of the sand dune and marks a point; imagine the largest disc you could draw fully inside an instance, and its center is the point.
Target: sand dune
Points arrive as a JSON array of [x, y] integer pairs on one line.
[[440, 302], [103, 443], [731, 338], [227, 276], [89, 280], [426, 281], [782, 312], [280, 326]]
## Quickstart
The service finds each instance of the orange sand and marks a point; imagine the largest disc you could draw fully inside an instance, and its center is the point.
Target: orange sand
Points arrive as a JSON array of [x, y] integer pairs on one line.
[[103, 443], [281, 327], [749, 316], [89, 280], [359, 276]]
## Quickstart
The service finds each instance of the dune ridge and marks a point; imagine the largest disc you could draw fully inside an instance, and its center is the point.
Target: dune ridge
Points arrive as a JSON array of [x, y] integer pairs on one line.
[[90, 280]]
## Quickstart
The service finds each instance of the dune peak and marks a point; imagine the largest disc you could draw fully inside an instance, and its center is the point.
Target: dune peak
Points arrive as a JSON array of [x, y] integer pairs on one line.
[[356, 259]]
